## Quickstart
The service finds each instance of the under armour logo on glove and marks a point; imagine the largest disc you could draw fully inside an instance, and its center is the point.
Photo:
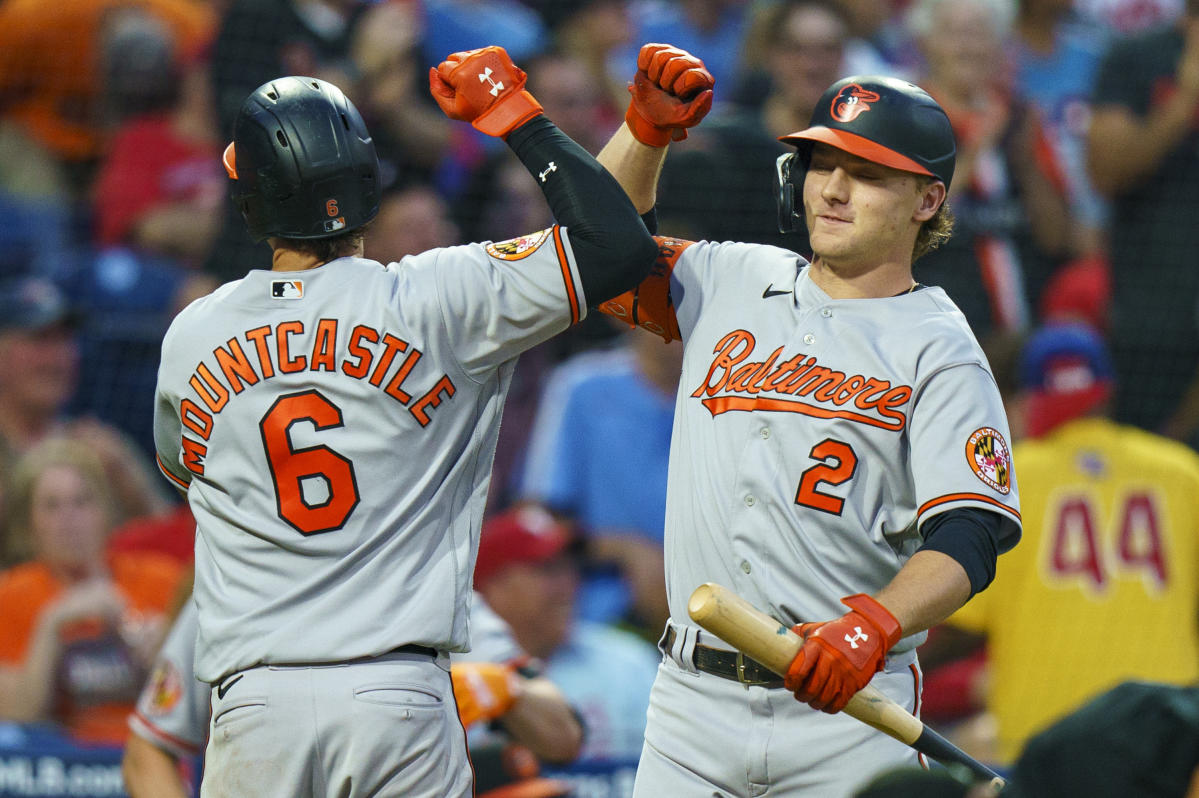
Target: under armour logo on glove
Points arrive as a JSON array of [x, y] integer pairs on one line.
[[551, 168], [858, 634], [496, 88], [837, 658], [485, 88]]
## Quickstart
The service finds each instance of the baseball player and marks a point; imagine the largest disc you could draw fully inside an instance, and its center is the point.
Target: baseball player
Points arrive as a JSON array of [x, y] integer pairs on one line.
[[497, 680], [839, 441], [333, 422]]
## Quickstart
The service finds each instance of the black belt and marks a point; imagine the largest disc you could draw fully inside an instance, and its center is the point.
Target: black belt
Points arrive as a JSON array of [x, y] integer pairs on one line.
[[413, 648], [728, 664]]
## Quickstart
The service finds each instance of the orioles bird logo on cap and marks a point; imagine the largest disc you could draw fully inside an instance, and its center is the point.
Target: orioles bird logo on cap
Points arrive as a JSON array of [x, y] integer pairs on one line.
[[851, 102]]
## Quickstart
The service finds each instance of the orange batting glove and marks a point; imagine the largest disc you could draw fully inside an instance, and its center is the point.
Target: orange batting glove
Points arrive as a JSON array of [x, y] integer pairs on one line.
[[485, 88], [672, 91], [839, 657], [484, 690]]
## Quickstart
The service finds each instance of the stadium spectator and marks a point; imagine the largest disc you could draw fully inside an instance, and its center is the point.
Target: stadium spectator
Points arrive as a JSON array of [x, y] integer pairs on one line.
[[52, 77], [160, 184], [456, 25], [172, 533], [80, 629], [39, 368], [715, 28], [1128, 17], [1012, 220], [879, 43], [718, 181], [595, 32], [597, 403], [1110, 517], [411, 219], [1056, 58], [1143, 153], [412, 136], [526, 574], [1138, 738]]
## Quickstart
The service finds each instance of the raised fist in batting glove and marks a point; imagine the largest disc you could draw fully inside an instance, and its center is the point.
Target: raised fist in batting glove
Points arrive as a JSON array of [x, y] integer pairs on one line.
[[672, 91], [484, 690], [485, 88], [839, 657]]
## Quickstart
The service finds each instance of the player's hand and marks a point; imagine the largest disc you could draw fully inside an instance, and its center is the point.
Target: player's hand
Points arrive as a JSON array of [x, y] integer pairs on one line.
[[839, 657], [484, 690], [672, 91], [485, 88]]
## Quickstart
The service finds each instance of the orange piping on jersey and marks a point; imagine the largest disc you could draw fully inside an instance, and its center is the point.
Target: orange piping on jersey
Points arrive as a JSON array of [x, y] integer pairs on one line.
[[169, 475], [916, 690], [957, 497], [725, 404], [572, 296], [166, 736]]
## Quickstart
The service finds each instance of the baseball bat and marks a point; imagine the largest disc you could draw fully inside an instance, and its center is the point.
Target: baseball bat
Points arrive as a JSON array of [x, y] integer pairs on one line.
[[754, 633]]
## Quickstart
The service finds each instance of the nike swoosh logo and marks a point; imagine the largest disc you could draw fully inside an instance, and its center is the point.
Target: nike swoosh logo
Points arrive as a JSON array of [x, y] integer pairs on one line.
[[221, 689], [768, 293]]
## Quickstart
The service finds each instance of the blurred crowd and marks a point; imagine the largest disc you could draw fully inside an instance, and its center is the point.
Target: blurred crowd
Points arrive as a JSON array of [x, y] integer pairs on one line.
[[1076, 188]]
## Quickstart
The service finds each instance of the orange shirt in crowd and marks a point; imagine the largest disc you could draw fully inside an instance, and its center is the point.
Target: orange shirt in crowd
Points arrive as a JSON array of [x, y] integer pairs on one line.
[[50, 64], [97, 679]]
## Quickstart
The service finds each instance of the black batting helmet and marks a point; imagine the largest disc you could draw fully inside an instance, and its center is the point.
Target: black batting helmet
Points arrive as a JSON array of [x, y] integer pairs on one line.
[[302, 161], [881, 119]]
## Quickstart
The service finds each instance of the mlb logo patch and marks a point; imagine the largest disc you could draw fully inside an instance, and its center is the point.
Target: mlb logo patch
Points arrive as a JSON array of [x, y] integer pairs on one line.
[[287, 289]]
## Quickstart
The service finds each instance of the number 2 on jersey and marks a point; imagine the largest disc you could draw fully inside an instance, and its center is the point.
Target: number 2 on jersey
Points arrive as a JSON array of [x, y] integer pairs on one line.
[[292, 467], [837, 466]]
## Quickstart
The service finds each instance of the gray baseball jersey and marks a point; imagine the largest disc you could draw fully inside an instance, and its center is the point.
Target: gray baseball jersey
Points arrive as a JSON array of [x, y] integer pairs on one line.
[[811, 438], [334, 429], [172, 710]]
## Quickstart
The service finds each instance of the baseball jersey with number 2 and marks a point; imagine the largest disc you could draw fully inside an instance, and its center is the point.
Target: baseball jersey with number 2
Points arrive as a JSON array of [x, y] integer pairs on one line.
[[813, 436]]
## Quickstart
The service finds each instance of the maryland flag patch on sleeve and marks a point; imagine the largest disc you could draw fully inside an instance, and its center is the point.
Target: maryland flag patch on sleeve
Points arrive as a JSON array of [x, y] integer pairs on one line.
[[520, 247], [990, 459]]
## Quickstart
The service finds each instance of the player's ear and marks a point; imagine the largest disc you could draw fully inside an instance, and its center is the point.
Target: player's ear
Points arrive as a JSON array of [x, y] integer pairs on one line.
[[932, 196]]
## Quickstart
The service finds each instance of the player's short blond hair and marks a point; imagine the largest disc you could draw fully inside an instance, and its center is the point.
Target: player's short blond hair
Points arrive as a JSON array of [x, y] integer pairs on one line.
[[935, 232]]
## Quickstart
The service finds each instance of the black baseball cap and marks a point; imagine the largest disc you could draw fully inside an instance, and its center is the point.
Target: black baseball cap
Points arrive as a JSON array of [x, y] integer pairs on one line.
[[1137, 739], [884, 120], [33, 303]]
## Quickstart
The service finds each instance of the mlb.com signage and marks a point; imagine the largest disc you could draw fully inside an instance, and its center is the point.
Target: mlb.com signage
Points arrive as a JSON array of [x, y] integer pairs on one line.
[[51, 776]]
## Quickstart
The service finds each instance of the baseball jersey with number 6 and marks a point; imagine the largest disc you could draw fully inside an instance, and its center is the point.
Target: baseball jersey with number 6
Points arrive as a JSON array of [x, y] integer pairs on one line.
[[335, 429]]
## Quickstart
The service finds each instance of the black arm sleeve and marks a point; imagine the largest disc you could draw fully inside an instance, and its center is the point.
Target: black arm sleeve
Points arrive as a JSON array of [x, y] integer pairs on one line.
[[650, 218], [969, 536], [612, 246]]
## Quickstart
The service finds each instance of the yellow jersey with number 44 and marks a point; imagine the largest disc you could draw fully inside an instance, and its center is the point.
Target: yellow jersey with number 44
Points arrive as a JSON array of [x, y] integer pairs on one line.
[[1105, 585]]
